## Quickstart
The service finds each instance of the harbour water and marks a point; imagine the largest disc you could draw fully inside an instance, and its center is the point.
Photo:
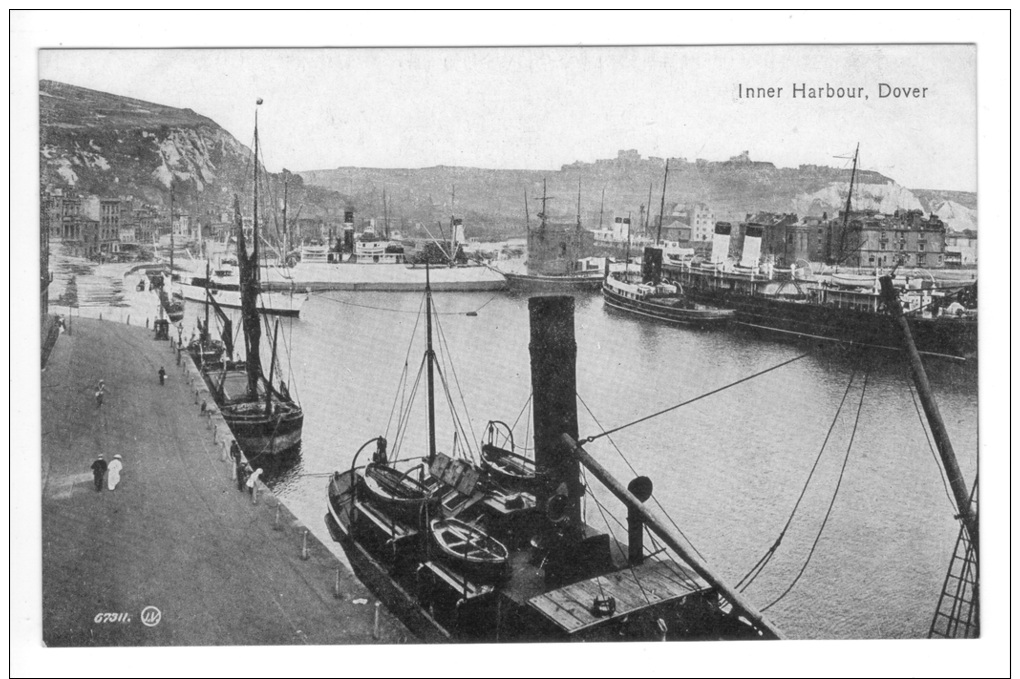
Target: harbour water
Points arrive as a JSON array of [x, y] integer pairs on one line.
[[727, 468]]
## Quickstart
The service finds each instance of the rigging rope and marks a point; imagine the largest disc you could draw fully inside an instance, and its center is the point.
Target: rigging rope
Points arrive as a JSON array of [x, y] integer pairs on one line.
[[931, 447], [589, 439], [619, 547], [636, 473], [758, 567], [453, 370], [832, 503]]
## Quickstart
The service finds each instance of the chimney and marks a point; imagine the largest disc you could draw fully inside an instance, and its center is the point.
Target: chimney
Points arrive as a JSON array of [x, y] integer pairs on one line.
[[651, 266], [554, 386], [721, 242], [752, 245]]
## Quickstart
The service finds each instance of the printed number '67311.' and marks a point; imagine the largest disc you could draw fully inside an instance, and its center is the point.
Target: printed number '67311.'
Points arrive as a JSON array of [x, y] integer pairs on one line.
[[111, 617]]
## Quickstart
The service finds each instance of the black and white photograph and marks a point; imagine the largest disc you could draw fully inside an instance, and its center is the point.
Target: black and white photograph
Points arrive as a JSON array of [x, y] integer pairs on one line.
[[381, 345]]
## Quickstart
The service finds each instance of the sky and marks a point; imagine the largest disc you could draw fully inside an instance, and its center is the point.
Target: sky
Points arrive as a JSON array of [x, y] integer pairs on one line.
[[539, 108]]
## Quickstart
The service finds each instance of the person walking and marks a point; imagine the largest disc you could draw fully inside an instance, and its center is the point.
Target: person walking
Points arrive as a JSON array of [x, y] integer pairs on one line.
[[99, 398], [98, 472], [235, 452], [253, 479], [162, 375], [113, 472]]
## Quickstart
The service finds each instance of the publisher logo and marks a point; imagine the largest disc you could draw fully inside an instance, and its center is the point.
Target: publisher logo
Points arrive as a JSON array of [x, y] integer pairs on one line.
[[151, 616]]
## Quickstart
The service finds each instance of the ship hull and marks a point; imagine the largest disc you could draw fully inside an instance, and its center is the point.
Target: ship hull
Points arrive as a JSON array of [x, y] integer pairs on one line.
[[534, 283], [279, 304], [947, 337], [317, 277], [702, 318], [264, 435]]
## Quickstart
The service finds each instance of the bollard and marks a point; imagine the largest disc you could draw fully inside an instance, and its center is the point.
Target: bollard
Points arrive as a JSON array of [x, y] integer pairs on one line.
[[375, 624], [146, 322], [336, 586], [233, 472], [304, 543], [276, 518], [129, 319], [255, 493], [223, 451], [215, 431]]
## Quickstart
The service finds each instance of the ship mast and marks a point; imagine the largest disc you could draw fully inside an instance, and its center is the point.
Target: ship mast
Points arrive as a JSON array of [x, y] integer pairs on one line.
[[602, 207], [171, 281], [578, 203], [249, 279], [430, 358], [648, 206], [846, 211], [662, 204]]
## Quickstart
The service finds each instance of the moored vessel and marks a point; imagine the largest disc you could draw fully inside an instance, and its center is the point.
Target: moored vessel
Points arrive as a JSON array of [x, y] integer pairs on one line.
[[262, 415], [494, 563]]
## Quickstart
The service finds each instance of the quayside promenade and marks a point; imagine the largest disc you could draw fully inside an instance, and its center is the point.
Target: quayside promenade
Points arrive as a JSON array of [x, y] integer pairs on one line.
[[176, 534]]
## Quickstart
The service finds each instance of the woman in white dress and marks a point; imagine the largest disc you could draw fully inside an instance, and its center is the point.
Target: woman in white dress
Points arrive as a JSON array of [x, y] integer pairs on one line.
[[113, 472]]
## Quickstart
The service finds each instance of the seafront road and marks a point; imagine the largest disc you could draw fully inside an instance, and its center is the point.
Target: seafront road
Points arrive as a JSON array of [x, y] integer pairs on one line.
[[175, 536]]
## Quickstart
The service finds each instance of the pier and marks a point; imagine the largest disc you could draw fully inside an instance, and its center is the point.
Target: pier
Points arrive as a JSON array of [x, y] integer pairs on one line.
[[176, 534]]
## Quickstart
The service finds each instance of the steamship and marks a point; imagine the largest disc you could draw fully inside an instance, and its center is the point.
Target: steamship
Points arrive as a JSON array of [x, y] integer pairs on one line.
[[784, 303], [371, 262], [501, 552]]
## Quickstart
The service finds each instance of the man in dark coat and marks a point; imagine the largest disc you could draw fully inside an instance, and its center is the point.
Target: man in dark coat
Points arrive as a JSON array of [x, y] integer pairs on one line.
[[162, 375], [98, 472]]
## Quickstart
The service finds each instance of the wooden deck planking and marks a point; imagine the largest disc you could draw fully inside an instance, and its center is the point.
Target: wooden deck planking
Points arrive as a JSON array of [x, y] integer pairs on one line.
[[570, 606]]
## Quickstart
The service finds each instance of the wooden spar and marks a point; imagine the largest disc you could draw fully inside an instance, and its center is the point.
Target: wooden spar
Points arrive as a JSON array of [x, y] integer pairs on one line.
[[672, 538], [662, 204], [602, 206], [430, 358], [527, 216], [648, 208], [846, 210], [626, 261], [272, 369], [578, 203], [931, 410]]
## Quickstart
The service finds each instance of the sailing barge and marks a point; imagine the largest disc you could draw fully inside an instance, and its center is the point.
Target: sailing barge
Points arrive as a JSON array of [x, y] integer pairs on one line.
[[488, 558], [263, 417]]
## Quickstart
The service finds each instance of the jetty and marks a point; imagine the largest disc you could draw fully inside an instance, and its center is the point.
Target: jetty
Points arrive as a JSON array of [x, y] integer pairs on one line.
[[175, 555]]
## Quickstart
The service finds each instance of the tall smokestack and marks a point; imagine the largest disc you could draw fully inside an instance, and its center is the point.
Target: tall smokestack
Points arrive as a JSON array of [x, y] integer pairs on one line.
[[554, 389], [752, 246], [721, 242]]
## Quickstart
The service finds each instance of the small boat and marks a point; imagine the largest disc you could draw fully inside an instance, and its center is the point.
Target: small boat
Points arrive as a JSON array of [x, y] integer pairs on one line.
[[511, 469], [397, 492], [508, 467], [659, 300], [469, 549]]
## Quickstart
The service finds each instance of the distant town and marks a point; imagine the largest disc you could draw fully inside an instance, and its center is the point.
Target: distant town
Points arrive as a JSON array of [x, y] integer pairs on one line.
[[126, 228]]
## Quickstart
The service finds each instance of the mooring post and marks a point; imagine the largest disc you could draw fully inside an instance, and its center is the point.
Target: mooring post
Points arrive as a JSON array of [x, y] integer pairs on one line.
[[336, 585], [304, 542], [375, 624], [276, 518]]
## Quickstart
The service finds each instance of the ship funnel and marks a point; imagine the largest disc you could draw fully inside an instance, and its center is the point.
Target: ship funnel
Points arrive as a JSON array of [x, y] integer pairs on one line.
[[721, 242], [349, 217], [553, 384], [651, 266], [752, 246]]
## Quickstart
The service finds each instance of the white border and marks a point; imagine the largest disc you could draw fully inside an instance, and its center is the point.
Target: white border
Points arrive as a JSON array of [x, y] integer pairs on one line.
[[30, 30]]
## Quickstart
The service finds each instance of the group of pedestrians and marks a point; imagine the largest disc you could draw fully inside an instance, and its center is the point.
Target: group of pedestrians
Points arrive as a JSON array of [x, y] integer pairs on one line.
[[110, 472]]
